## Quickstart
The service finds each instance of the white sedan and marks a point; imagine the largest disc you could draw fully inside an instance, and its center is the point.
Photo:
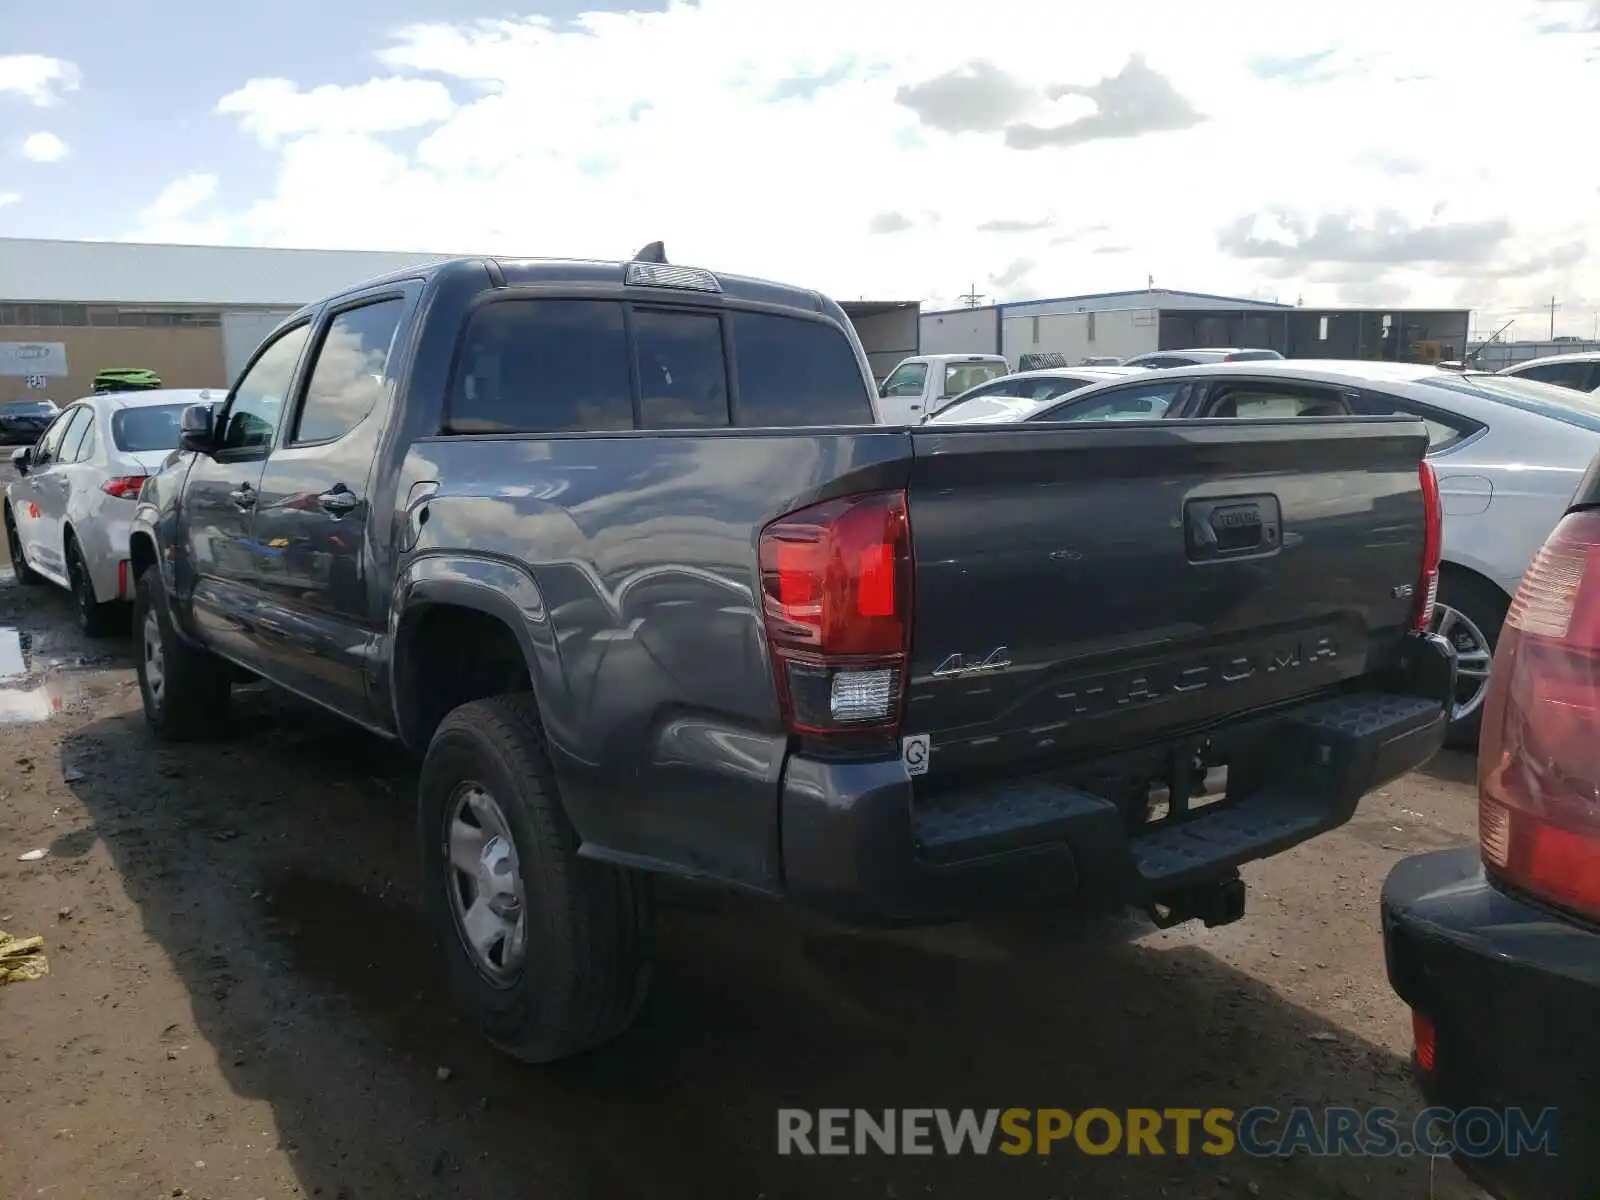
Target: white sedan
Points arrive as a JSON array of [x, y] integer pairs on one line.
[[1508, 454], [1013, 396], [66, 515]]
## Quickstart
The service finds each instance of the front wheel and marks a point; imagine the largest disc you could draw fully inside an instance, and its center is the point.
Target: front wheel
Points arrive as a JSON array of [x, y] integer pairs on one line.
[[546, 950], [185, 690], [25, 574]]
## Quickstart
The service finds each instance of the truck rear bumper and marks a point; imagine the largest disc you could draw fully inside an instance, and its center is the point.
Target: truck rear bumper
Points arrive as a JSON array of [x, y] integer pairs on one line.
[[865, 841]]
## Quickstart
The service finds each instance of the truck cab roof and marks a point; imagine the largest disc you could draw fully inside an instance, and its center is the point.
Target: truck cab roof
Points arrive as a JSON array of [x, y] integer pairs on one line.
[[559, 272]]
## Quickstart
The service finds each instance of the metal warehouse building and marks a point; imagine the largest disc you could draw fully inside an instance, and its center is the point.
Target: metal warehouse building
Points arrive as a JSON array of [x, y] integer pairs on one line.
[[193, 314], [1123, 324]]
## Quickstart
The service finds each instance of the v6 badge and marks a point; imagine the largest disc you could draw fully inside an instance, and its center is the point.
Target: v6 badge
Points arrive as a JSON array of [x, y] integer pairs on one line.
[[914, 752]]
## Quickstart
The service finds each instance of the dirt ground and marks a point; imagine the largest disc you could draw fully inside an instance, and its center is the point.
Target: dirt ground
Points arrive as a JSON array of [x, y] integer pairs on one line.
[[242, 1002]]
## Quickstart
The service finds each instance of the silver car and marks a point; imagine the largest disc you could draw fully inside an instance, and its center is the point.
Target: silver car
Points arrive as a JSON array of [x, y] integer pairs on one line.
[[1011, 397], [1580, 372], [66, 516]]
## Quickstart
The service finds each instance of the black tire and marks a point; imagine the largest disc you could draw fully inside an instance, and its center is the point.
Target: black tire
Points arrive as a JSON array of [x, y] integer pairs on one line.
[[25, 574], [95, 619], [1485, 606], [586, 966], [192, 699]]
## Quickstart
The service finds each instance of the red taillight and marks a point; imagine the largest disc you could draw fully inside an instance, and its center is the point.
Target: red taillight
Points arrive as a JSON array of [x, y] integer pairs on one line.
[[1539, 752], [1426, 1040], [836, 595], [124, 487], [1432, 545]]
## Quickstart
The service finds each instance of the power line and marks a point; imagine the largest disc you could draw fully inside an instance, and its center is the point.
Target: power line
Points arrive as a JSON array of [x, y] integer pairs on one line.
[[971, 297]]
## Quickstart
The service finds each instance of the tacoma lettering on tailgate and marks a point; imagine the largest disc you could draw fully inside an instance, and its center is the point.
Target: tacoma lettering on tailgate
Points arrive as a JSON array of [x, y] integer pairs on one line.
[[1118, 690]]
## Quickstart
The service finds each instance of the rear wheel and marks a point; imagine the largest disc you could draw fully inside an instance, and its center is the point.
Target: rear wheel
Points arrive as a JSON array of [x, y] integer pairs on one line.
[[25, 574], [185, 690], [94, 618], [547, 951], [1468, 616]]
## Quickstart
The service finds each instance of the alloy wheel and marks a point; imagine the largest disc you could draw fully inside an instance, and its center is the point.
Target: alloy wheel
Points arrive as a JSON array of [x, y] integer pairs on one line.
[[1473, 658]]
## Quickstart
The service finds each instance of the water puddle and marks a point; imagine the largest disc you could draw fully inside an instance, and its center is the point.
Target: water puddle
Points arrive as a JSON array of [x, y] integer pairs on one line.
[[31, 691]]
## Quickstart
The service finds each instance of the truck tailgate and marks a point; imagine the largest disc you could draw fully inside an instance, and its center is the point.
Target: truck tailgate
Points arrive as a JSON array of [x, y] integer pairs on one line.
[[1083, 588]]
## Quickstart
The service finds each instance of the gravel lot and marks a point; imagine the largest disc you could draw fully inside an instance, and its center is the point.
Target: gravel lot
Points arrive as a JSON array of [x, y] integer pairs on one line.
[[243, 1003]]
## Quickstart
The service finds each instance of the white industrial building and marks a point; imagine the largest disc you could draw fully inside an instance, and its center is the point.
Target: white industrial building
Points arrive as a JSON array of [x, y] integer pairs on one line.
[[1123, 324], [194, 314]]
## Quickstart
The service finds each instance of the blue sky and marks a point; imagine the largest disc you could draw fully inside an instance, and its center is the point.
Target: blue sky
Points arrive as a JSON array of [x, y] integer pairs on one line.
[[1364, 153], [152, 80]]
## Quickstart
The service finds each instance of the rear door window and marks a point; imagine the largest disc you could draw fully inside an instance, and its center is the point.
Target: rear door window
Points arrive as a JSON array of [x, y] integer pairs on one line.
[[1137, 402], [1444, 429], [1266, 401], [543, 366], [79, 442], [796, 372], [351, 373], [683, 381], [49, 449]]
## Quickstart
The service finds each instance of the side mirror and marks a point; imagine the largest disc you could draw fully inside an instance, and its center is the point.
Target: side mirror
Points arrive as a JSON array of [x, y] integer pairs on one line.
[[21, 457], [197, 429]]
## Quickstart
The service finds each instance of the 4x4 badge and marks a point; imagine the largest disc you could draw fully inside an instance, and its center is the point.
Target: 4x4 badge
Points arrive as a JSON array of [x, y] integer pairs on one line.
[[957, 665]]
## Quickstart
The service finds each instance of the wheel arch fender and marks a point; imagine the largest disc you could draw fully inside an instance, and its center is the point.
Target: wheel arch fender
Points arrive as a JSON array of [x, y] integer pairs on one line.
[[1475, 571], [497, 588]]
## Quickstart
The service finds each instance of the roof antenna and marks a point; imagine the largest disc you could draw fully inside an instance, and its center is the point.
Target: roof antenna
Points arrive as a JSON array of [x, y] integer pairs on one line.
[[655, 252]]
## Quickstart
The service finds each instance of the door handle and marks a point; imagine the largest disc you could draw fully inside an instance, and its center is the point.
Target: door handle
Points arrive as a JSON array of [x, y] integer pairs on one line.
[[243, 496], [338, 502]]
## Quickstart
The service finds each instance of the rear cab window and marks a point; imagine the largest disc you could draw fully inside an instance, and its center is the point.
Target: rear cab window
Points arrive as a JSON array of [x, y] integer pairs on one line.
[[683, 380], [963, 377], [146, 428], [574, 366]]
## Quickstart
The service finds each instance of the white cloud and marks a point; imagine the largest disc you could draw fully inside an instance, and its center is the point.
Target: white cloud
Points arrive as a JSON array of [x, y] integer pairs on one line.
[[8, 198], [44, 148], [275, 109], [182, 196], [1241, 146], [37, 78]]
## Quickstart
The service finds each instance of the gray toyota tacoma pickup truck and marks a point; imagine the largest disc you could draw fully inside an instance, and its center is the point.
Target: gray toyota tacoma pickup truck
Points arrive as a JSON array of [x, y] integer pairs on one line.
[[622, 553]]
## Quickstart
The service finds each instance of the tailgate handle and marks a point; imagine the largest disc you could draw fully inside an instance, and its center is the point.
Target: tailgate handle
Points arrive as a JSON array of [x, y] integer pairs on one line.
[[1233, 527]]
